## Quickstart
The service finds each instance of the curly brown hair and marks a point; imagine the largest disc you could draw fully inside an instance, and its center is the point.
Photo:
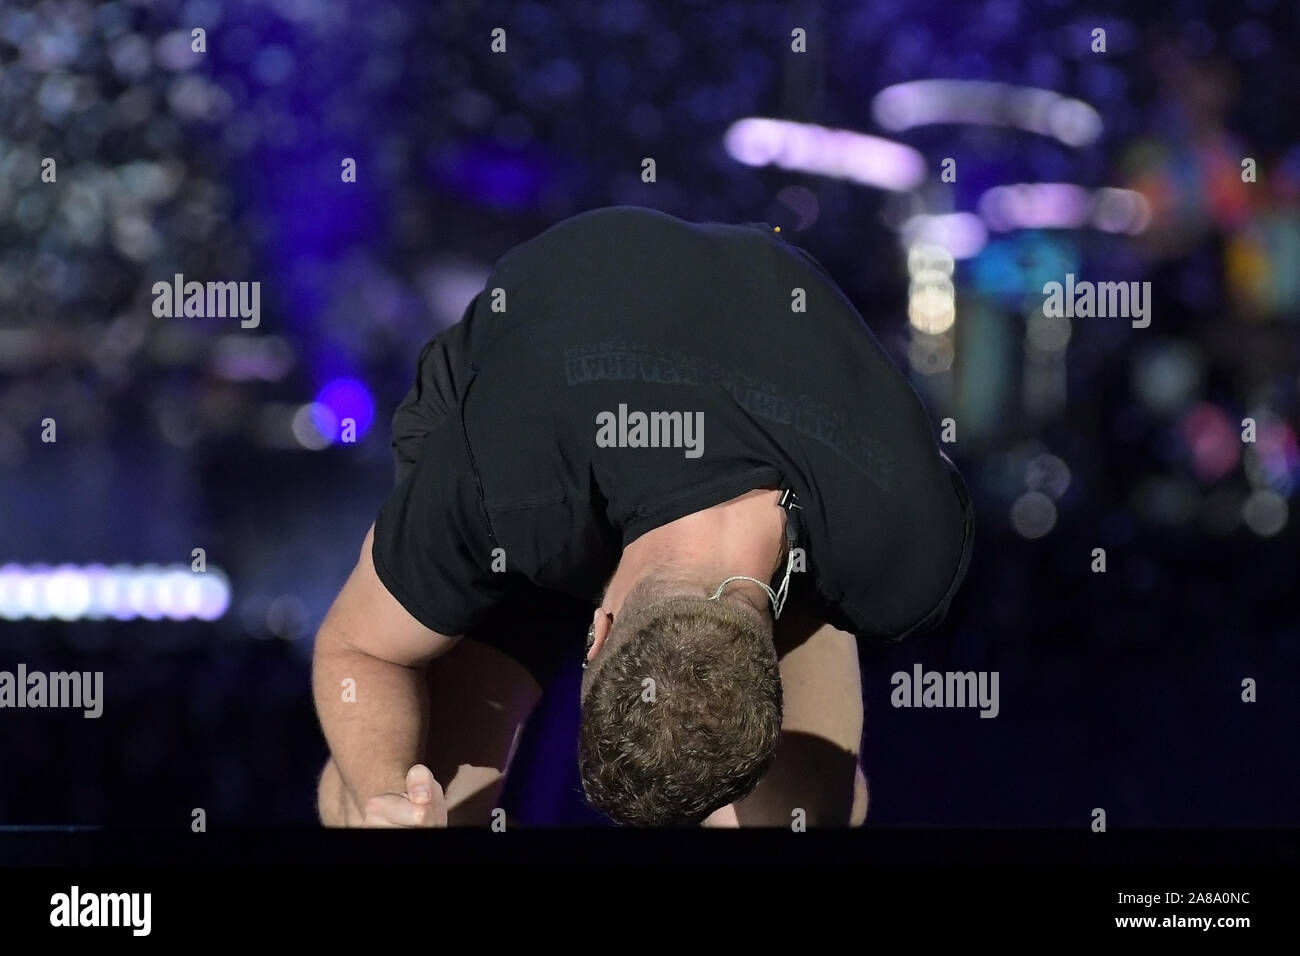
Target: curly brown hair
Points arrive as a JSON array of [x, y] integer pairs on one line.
[[685, 714]]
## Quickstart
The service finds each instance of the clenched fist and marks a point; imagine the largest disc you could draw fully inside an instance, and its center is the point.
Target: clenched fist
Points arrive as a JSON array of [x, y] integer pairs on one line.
[[421, 805]]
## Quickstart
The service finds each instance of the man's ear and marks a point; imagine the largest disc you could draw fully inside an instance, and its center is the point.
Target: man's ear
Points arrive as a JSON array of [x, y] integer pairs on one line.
[[601, 621]]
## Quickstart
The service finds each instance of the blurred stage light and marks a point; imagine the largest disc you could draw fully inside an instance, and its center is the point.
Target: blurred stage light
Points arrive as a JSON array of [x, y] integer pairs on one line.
[[448, 286], [925, 257], [840, 154], [349, 398], [931, 303], [287, 616], [1063, 206], [173, 51], [239, 358], [1213, 440], [67, 594], [930, 354], [931, 297], [1167, 375], [905, 106], [1120, 210], [1013, 267], [71, 592], [1048, 474], [315, 426], [1272, 461], [963, 234], [1265, 512], [1033, 515], [1047, 333], [1034, 206]]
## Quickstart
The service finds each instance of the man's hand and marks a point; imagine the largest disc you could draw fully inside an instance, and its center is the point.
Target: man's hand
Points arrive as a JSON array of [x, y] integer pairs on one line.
[[422, 805], [370, 644]]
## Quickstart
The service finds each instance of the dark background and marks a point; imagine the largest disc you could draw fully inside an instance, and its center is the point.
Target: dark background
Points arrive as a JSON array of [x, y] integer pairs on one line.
[[1119, 690]]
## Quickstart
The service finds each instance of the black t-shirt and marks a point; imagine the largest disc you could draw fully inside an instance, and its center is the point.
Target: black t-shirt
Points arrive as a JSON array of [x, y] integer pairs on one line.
[[626, 310]]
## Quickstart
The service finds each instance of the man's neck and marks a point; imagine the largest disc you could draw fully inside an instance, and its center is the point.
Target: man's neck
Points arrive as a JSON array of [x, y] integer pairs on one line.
[[743, 536]]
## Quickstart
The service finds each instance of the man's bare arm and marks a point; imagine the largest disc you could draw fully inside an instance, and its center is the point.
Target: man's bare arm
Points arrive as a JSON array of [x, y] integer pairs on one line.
[[369, 637]]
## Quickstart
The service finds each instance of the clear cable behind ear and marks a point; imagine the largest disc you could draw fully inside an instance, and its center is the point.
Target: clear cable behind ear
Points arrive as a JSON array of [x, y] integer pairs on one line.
[[777, 597]]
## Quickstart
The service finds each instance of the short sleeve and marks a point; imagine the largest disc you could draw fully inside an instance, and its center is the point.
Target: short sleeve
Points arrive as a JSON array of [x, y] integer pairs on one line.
[[936, 532], [432, 546]]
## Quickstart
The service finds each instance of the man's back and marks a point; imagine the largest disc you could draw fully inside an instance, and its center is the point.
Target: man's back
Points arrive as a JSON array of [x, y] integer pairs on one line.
[[625, 368]]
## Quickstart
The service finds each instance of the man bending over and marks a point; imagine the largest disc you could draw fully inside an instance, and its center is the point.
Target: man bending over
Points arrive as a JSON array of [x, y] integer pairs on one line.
[[673, 451]]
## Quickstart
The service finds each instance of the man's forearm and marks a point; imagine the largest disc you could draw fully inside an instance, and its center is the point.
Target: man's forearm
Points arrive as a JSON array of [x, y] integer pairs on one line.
[[375, 724]]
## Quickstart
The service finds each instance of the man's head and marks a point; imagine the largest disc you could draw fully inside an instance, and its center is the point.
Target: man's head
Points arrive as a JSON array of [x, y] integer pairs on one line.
[[681, 708]]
